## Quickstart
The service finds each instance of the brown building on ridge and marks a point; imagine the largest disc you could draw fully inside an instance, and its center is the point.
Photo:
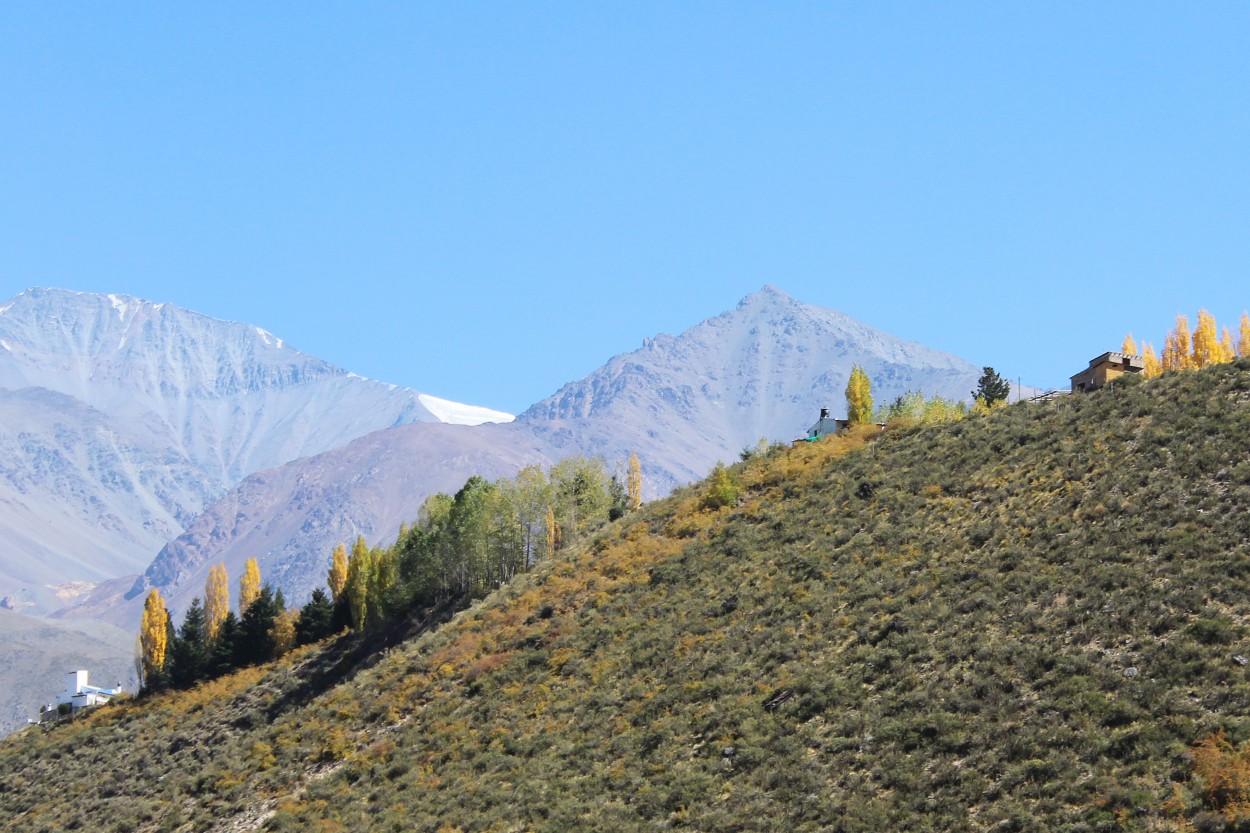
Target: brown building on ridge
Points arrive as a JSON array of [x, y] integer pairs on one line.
[[1103, 369]]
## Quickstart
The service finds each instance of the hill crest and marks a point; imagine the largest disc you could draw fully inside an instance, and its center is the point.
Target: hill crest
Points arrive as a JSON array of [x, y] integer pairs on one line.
[[1022, 621]]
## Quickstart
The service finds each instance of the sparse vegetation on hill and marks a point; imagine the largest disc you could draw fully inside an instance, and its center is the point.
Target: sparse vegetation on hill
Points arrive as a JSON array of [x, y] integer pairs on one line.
[[1036, 619]]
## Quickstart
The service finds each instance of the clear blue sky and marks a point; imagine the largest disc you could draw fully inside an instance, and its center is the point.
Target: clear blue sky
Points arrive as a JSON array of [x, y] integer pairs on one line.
[[484, 201]]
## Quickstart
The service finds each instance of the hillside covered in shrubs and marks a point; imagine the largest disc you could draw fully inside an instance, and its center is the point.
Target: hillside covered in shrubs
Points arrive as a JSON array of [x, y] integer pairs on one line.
[[1034, 619]]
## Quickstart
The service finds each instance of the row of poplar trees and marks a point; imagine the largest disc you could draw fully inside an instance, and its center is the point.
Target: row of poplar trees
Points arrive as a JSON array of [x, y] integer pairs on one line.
[[460, 548], [1206, 345], [212, 640]]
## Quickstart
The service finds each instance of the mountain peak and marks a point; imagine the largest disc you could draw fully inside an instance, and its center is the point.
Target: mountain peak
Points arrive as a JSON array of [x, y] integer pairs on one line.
[[769, 294], [761, 369]]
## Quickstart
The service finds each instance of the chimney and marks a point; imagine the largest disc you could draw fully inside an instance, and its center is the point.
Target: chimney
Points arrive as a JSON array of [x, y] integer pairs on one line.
[[824, 413]]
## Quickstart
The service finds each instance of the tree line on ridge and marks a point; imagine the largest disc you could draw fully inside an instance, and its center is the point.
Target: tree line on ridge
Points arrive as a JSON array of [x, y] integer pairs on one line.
[[460, 548]]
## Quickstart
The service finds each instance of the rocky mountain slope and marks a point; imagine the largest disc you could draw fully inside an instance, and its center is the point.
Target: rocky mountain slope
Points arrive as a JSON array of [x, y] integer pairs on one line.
[[124, 418], [84, 497], [1032, 620], [761, 370]]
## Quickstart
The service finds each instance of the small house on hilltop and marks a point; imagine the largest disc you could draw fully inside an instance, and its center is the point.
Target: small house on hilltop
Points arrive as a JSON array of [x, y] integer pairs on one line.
[[78, 694], [826, 425], [1105, 368]]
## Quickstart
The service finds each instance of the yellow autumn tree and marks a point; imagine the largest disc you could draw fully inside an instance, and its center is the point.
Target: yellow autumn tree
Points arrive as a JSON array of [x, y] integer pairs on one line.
[[384, 575], [153, 637], [359, 582], [216, 601], [1150, 362], [633, 482], [1129, 347], [1243, 343], [337, 577], [282, 632], [1206, 342], [249, 585], [1227, 352], [858, 397], [1176, 348]]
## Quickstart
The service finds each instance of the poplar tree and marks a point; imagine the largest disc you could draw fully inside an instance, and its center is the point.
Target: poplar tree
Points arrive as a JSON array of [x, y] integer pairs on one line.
[[1227, 353], [337, 578], [1176, 349], [249, 585], [504, 533], [282, 632], [858, 397], [1150, 362], [382, 579], [468, 528], [1243, 343], [634, 482], [359, 579], [1183, 343], [1206, 342], [153, 639], [216, 601], [1129, 347], [532, 501]]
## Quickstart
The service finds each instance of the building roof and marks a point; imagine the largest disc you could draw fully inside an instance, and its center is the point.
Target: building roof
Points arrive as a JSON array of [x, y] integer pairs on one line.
[[1126, 360]]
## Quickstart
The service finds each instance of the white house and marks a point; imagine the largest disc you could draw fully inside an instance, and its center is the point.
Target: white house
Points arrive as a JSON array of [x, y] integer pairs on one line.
[[78, 694], [826, 426]]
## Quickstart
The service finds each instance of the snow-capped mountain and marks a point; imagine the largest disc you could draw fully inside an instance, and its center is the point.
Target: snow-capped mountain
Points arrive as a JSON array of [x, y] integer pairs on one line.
[[234, 398], [120, 419], [763, 369]]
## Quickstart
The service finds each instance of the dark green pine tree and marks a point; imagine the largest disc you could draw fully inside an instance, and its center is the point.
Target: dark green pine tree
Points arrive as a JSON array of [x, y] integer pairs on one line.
[[223, 658], [991, 387], [256, 643], [342, 617], [316, 619], [188, 651]]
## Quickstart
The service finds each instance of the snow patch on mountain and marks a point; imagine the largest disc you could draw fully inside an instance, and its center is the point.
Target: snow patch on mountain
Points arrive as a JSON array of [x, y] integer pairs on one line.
[[456, 413]]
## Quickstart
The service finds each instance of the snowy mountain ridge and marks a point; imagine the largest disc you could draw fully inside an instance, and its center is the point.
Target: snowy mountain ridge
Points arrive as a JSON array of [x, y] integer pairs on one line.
[[124, 418], [237, 398]]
